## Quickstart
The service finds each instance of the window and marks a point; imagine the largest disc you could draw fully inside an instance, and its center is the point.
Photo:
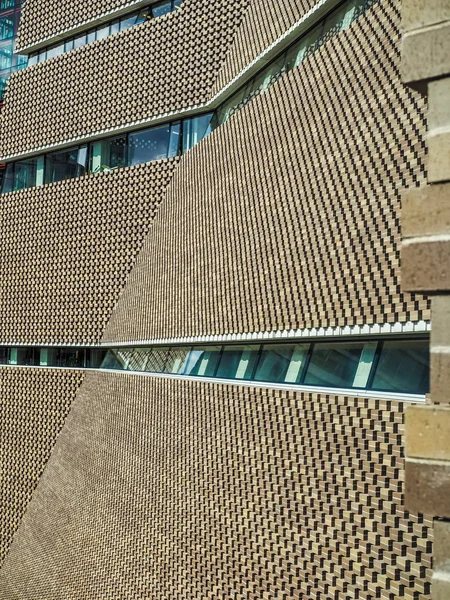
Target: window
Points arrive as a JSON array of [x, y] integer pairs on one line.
[[238, 362], [403, 366], [203, 360], [65, 164], [154, 144], [281, 363], [333, 364], [108, 154]]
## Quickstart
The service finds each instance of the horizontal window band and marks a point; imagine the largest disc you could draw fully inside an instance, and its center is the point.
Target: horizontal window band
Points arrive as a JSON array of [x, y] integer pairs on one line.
[[104, 29], [316, 22], [377, 330], [394, 365], [242, 383], [110, 15]]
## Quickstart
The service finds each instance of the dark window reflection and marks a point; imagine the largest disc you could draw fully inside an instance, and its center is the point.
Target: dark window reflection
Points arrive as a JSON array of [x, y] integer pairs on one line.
[[202, 361], [275, 362], [238, 362], [65, 164], [333, 364], [404, 366], [153, 144]]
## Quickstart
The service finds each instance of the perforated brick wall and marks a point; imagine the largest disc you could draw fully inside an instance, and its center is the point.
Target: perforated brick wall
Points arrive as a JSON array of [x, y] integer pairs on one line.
[[166, 490], [34, 404], [262, 25], [288, 217], [43, 19], [67, 248], [153, 68]]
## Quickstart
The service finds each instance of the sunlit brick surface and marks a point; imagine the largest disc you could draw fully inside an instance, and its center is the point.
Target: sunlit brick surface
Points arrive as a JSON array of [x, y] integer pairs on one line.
[[162, 489], [67, 248], [33, 407]]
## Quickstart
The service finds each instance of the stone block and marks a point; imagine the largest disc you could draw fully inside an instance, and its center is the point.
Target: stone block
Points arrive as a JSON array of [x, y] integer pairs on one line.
[[439, 103], [440, 585], [428, 432], [425, 264], [439, 155], [427, 487], [440, 377], [442, 546], [417, 13], [426, 54], [440, 315], [426, 211]]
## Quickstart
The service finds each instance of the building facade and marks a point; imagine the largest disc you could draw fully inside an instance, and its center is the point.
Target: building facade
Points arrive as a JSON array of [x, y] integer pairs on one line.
[[206, 353]]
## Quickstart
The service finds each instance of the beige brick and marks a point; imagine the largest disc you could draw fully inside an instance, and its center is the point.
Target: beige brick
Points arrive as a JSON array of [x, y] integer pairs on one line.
[[426, 211], [425, 53], [427, 487], [419, 13], [427, 432]]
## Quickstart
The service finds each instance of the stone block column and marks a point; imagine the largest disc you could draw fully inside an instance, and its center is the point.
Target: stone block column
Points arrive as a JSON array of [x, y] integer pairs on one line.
[[426, 269]]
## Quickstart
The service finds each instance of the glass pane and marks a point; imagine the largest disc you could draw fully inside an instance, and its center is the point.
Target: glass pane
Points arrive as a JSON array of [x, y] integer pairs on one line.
[[65, 164], [127, 21], [4, 356], [228, 108], [202, 361], [113, 360], [300, 50], [115, 27], [91, 36], [238, 362], [6, 28], [8, 179], [33, 59], [404, 366], [177, 4], [157, 358], [175, 139], [102, 32], [195, 129], [55, 50], [275, 360], [79, 40], [151, 144], [27, 356], [161, 9], [71, 358], [334, 364], [268, 77], [176, 360], [42, 55], [69, 45], [144, 14], [95, 358], [108, 154]]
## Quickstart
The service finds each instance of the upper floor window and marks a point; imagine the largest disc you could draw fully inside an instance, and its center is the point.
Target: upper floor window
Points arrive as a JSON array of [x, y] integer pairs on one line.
[[104, 30]]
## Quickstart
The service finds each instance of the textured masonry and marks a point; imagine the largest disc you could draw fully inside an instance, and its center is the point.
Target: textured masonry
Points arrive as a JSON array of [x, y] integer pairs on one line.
[[286, 217], [153, 68], [67, 249], [33, 406], [309, 235], [186, 490]]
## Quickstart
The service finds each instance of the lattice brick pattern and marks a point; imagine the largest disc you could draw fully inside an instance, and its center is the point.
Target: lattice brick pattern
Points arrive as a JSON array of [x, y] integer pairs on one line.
[[153, 68], [67, 248], [180, 490], [33, 407], [287, 217], [262, 25]]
